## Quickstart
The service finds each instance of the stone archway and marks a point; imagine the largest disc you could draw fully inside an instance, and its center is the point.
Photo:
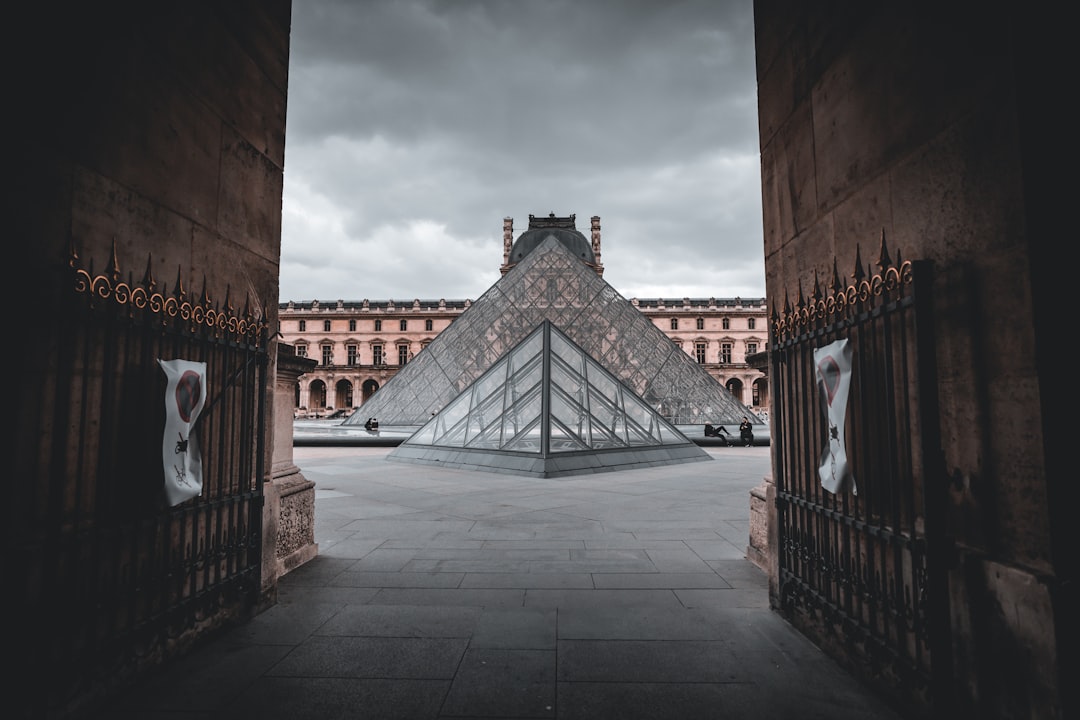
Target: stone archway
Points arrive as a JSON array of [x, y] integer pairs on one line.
[[317, 395], [367, 390], [735, 387]]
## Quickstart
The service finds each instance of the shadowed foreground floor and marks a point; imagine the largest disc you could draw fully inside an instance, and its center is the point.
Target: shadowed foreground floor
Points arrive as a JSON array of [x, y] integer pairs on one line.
[[444, 593]]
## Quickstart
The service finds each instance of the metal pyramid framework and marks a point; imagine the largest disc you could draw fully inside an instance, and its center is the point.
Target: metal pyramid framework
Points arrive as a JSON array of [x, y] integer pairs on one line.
[[550, 283], [547, 409]]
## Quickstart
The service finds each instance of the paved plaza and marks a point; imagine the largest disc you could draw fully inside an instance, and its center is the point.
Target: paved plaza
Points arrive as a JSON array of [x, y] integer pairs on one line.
[[441, 593]]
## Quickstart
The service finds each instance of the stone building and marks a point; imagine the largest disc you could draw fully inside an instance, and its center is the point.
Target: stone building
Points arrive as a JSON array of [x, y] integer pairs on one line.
[[360, 344]]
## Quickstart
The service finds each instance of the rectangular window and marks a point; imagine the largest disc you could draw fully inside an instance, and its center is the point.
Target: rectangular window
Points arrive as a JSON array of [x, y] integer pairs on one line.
[[377, 355], [751, 348], [674, 323], [701, 323], [327, 355], [699, 352], [351, 351], [404, 325], [301, 350], [428, 325], [303, 325], [378, 325], [352, 325], [725, 323], [750, 323], [326, 325], [402, 353], [725, 353]]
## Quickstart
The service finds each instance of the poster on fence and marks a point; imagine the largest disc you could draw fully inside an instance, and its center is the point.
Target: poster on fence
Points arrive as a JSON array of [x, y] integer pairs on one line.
[[185, 396], [832, 365]]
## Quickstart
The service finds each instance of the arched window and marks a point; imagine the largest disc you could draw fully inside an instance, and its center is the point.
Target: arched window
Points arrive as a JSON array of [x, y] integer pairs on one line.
[[750, 323], [303, 325], [404, 325], [378, 325], [326, 325]]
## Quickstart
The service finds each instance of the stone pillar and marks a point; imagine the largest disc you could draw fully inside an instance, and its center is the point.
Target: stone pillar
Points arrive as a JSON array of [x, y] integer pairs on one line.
[[596, 244], [289, 509], [508, 243]]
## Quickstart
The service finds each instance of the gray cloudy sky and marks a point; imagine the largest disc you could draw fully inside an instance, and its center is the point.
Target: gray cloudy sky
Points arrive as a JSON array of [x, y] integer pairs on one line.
[[416, 126]]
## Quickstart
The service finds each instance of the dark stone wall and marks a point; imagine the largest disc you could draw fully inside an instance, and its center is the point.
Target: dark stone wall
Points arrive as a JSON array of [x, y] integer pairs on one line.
[[916, 121], [148, 133]]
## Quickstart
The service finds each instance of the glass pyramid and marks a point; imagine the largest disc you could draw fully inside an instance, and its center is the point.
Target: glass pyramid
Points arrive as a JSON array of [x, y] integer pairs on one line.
[[550, 283], [547, 409]]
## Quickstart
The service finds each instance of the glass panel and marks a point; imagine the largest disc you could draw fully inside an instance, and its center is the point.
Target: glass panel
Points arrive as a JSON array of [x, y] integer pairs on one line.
[[520, 418], [563, 439], [485, 416], [569, 413], [452, 422], [569, 382], [527, 439], [567, 353]]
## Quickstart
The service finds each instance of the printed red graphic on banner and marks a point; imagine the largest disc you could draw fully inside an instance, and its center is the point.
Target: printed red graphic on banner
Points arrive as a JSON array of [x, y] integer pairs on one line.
[[188, 394], [830, 376]]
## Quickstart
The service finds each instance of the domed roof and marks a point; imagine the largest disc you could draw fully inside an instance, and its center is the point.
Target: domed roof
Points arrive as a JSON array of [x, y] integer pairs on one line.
[[562, 229]]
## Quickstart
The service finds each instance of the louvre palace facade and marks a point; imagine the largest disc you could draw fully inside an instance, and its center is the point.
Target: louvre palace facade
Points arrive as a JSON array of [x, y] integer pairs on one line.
[[360, 345]]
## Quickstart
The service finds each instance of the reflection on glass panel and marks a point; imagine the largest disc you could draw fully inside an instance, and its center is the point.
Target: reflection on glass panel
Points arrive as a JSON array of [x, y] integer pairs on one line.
[[563, 439], [567, 353], [452, 418], [528, 378], [493, 380], [490, 438], [602, 382], [568, 412], [528, 352], [525, 440], [570, 383], [638, 422], [520, 416], [426, 434], [603, 409]]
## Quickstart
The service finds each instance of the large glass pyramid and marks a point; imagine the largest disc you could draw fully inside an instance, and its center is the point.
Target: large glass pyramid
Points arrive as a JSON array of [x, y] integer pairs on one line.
[[547, 409], [550, 283]]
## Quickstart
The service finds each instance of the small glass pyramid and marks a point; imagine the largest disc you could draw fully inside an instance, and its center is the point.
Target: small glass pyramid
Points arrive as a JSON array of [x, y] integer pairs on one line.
[[547, 409]]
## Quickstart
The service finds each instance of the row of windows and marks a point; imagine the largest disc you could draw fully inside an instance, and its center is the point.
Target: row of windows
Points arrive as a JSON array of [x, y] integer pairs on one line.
[[725, 323], [403, 325], [352, 352], [378, 356]]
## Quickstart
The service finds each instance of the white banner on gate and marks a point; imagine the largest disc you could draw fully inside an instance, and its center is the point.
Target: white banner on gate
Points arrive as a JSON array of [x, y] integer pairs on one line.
[[185, 397], [832, 366]]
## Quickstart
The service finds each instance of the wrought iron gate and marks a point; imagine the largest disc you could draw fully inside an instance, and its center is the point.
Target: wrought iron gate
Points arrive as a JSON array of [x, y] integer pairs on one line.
[[119, 580], [863, 573]]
